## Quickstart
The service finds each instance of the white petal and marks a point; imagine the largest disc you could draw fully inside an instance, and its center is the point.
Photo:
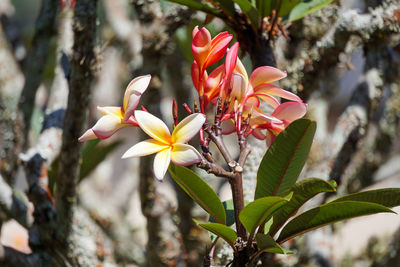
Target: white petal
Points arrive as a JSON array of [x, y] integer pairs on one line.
[[117, 111], [188, 128], [107, 126], [137, 86], [184, 155], [153, 126], [161, 163], [144, 148], [88, 135]]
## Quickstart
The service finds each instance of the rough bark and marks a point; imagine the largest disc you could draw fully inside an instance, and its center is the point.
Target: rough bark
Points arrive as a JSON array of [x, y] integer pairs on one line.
[[82, 73], [36, 62]]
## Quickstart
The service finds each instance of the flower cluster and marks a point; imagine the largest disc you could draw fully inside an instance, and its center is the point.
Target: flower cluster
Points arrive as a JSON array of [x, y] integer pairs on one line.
[[237, 95], [228, 87]]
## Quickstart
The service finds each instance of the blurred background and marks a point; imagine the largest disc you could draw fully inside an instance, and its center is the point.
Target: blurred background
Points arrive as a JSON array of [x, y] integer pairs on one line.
[[342, 60]]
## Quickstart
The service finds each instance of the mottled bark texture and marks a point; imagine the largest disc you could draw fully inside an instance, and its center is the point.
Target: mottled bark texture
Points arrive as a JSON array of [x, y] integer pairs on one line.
[[36, 61], [82, 73], [11, 82], [163, 247]]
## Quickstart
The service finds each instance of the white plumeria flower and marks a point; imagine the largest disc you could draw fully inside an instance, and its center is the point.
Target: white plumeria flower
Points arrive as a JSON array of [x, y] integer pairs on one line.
[[115, 118], [168, 147]]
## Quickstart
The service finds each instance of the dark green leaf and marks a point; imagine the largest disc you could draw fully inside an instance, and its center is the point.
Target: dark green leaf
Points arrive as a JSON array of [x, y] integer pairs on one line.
[[388, 197], [229, 211], [249, 10], [264, 7], [199, 6], [327, 214], [304, 8], [93, 155], [199, 191], [284, 160], [223, 231], [286, 6], [260, 210], [302, 191], [266, 243], [227, 6]]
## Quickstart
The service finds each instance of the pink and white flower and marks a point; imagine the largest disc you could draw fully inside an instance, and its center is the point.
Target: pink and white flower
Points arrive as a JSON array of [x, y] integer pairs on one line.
[[115, 118], [168, 147]]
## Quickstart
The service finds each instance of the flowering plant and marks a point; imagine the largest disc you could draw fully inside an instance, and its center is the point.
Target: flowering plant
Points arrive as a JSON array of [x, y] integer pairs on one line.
[[235, 100]]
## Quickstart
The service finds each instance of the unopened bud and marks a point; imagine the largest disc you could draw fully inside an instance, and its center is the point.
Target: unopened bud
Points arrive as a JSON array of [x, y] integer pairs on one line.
[[175, 112]]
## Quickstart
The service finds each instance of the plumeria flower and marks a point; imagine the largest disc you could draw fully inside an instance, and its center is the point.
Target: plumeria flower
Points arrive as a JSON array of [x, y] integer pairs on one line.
[[169, 147], [259, 86], [15, 236], [215, 84], [206, 51], [283, 115], [115, 118]]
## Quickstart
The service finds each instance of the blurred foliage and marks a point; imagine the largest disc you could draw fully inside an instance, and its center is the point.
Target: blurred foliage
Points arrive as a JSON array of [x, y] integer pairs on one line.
[[92, 155]]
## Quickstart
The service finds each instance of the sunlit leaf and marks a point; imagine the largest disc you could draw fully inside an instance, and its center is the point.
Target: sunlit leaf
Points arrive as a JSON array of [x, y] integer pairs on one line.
[[223, 231], [388, 197], [199, 191], [327, 214], [302, 191], [284, 160], [305, 8], [286, 6], [260, 210]]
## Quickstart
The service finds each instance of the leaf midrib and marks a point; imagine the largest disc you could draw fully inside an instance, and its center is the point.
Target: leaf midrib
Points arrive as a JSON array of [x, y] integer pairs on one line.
[[290, 160]]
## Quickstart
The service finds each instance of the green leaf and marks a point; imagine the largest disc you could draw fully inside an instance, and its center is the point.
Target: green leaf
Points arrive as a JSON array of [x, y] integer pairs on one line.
[[284, 160], [227, 6], [199, 191], [223, 231], [250, 10], [260, 210], [266, 243], [286, 6], [302, 191], [327, 214], [199, 6], [229, 211], [264, 7], [388, 197], [93, 155], [268, 225], [304, 8]]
